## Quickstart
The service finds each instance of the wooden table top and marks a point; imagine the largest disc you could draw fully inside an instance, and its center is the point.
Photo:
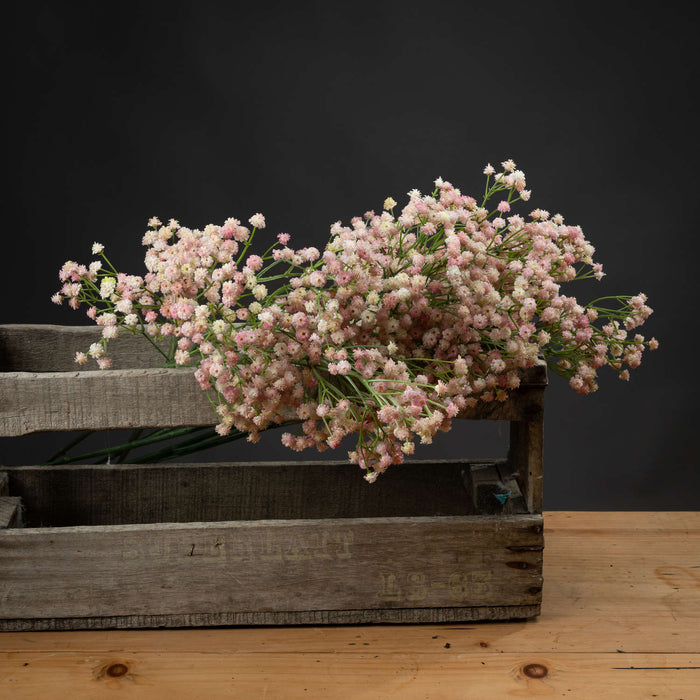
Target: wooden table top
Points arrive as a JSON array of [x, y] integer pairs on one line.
[[620, 619]]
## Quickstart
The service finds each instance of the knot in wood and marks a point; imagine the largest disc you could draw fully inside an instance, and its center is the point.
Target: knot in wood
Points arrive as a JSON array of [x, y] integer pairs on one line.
[[117, 670], [535, 670]]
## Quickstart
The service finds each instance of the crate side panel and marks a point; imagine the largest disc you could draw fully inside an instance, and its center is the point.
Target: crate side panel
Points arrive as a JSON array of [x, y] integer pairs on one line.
[[267, 566], [130, 494]]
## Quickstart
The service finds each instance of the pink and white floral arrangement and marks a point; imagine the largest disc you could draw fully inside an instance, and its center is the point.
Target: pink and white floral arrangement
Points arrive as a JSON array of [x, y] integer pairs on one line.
[[403, 320]]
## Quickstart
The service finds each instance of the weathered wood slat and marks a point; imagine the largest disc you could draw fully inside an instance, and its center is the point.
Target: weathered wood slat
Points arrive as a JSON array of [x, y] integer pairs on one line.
[[50, 348], [123, 494], [33, 401], [147, 398], [270, 566], [152, 398], [26, 347]]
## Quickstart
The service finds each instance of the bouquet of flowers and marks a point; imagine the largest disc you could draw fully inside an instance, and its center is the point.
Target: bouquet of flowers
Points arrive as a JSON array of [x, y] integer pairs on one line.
[[404, 320]]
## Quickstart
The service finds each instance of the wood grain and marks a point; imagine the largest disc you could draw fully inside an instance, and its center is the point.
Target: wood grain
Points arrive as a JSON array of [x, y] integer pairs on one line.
[[170, 569], [442, 674], [526, 458], [136, 398], [49, 348], [620, 619]]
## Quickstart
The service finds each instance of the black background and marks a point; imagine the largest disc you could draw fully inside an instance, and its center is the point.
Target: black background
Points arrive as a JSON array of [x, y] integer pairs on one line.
[[313, 112]]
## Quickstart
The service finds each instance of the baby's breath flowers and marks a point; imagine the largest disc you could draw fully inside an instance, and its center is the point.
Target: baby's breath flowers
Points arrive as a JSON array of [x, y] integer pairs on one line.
[[400, 324]]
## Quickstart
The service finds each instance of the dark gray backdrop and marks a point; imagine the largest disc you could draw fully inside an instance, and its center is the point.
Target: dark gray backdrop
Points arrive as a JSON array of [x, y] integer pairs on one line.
[[312, 112]]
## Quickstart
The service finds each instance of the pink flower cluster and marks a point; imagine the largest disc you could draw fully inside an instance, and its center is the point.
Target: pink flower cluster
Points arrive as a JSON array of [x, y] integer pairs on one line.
[[399, 325]]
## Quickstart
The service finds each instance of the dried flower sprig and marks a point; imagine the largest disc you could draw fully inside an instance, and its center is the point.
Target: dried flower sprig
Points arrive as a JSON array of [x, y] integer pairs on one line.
[[399, 325]]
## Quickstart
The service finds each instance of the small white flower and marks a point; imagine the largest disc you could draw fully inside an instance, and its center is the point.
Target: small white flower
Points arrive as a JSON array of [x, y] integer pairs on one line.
[[107, 287], [219, 327], [257, 220], [266, 317], [96, 350], [97, 248], [389, 203], [124, 306]]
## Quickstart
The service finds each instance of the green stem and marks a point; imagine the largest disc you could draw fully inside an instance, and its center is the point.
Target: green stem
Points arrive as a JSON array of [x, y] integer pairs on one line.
[[108, 451], [69, 446], [197, 444], [135, 435]]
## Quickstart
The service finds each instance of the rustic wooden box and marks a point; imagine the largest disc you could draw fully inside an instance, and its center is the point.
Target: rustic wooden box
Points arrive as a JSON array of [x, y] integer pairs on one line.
[[105, 546]]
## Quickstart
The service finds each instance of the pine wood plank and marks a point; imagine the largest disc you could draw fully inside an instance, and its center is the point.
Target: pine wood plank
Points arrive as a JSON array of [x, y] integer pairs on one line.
[[441, 673]]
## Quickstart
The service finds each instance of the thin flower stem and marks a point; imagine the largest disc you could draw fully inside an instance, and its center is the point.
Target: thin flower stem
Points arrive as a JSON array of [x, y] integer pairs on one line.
[[109, 451], [76, 441], [135, 435]]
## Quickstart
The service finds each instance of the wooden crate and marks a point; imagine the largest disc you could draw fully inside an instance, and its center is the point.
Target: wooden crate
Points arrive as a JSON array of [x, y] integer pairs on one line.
[[107, 546]]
